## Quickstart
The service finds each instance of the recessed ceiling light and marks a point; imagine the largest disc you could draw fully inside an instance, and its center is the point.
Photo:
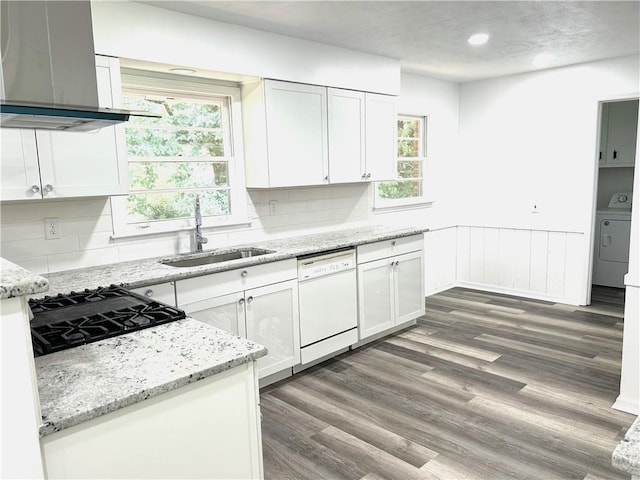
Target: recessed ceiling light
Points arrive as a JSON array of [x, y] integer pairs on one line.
[[542, 59], [478, 39], [183, 71]]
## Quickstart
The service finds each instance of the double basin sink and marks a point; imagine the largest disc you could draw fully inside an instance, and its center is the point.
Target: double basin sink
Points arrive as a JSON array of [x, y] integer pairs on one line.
[[215, 256]]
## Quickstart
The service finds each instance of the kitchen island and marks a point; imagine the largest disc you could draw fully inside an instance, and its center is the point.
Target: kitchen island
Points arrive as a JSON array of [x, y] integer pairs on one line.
[[179, 400]]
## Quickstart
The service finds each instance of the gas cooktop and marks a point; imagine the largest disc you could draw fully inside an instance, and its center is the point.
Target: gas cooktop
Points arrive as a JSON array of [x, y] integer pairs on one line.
[[66, 321]]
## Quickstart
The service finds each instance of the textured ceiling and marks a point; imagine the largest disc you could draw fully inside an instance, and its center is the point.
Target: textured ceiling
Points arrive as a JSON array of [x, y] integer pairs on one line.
[[429, 37]]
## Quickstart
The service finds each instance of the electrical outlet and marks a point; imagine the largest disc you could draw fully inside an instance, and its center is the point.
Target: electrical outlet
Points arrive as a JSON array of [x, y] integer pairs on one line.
[[52, 228]]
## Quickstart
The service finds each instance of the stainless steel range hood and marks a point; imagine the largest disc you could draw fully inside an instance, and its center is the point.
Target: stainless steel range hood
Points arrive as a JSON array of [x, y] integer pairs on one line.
[[48, 73]]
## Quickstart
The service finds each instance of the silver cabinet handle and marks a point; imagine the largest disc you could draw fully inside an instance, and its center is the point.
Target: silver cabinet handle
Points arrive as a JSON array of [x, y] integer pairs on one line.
[[393, 243], [250, 299], [364, 175], [326, 178], [368, 175], [397, 262], [241, 302], [244, 274], [148, 292], [48, 188], [35, 188]]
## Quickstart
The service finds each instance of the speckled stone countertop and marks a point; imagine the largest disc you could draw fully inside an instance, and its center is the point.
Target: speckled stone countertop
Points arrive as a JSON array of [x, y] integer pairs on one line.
[[15, 281], [86, 382], [626, 456], [140, 273]]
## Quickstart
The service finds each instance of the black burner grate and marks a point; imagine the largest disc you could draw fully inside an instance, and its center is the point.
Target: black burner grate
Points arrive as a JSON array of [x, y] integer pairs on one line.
[[67, 321]]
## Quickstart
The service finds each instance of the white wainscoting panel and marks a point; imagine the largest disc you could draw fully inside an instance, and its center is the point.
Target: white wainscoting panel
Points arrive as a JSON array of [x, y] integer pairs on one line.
[[533, 263]]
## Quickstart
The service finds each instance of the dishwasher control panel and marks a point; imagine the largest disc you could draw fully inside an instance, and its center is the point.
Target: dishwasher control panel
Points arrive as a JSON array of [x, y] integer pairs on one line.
[[327, 264]]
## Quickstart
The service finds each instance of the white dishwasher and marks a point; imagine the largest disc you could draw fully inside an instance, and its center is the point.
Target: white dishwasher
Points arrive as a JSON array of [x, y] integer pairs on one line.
[[327, 295]]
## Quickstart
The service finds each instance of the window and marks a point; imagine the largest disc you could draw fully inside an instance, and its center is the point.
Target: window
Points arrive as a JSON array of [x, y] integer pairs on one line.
[[191, 149], [410, 164]]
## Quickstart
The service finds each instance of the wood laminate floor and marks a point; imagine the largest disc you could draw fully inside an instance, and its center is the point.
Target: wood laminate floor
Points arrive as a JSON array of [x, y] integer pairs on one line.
[[485, 386]]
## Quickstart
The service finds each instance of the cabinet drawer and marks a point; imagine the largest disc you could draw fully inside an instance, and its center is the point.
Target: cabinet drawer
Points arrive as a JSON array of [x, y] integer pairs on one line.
[[162, 292], [201, 288], [390, 248]]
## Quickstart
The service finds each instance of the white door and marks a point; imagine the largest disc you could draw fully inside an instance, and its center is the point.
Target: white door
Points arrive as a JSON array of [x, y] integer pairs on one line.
[[86, 163], [297, 134], [272, 320], [346, 135], [225, 312], [380, 131], [409, 286], [375, 297], [19, 172]]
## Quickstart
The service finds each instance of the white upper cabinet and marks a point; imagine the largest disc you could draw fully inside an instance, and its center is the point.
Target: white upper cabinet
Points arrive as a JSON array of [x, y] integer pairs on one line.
[[618, 130], [346, 135], [19, 172], [380, 137], [285, 133], [298, 135], [40, 164]]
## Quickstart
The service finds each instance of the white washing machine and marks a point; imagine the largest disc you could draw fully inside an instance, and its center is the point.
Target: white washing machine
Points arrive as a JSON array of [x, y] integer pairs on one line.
[[612, 237]]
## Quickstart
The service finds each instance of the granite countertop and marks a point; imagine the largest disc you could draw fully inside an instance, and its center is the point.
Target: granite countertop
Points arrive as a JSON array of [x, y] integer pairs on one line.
[[15, 281], [140, 273], [83, 383], [626, 456]]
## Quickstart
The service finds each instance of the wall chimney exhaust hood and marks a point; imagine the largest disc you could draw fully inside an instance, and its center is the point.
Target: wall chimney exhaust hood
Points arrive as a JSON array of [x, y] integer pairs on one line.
[[48, 72]]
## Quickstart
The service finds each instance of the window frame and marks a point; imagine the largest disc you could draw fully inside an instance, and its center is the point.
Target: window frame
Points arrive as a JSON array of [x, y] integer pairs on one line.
[[140, 81], [384, 203]]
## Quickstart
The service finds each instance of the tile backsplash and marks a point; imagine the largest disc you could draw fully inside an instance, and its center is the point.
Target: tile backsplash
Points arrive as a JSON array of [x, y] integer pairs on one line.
[[86, 226]]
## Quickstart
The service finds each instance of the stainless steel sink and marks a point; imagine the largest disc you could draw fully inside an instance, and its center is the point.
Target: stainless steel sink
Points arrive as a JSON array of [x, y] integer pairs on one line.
[[217, 256]]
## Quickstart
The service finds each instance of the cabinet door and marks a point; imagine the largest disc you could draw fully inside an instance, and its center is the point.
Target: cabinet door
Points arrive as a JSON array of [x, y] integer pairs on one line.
[[380, 132], [621, 133], [376, 310], [409, 286], [346, 135], [225, 312], [19, 173], [272, 320], [87, 163], [297, 134], [604, 126]]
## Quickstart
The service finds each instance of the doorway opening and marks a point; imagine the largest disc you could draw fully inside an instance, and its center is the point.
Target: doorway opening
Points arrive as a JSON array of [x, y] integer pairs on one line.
[[614, 195]]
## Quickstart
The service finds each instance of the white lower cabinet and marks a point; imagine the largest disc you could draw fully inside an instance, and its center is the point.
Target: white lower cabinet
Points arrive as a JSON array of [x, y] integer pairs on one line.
[[207, 429], [264, 313], [390, 284]]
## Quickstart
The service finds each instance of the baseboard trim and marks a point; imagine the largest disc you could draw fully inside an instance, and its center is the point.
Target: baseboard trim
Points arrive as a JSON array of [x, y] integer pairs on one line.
[[517, 293], [627, 405]]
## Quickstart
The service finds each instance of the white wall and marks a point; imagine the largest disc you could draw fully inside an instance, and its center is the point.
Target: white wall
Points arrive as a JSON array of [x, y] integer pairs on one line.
[[530, 140], [438, 100], [143, 32]]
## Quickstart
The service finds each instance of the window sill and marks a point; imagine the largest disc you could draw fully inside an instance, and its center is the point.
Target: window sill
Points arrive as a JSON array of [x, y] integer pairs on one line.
[[409, 205], [150, 232]]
